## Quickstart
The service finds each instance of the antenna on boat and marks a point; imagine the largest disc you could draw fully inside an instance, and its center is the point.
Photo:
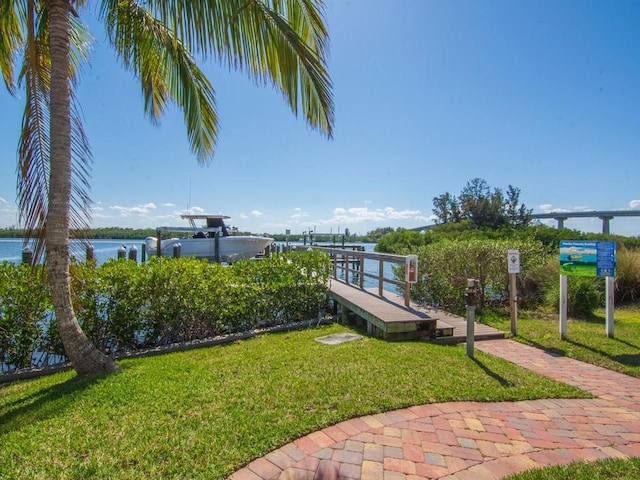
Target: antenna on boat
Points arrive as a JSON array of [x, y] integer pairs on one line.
[[189, 201]]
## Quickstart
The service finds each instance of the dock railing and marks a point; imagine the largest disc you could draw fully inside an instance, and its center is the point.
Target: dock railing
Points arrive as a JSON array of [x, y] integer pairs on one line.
[[352, 264]]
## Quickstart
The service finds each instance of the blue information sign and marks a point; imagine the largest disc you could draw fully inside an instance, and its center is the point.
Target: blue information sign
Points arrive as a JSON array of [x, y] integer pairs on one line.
[[606, 262], [588, 258]]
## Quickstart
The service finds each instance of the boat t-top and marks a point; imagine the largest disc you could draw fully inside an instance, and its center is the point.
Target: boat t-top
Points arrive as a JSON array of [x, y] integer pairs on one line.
[[201, 241]]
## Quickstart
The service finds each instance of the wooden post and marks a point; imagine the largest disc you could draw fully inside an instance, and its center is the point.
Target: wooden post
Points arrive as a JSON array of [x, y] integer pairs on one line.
[[513, 303], [90, 253], [407, 294], [380, 279], [335, 265], [176, 250], [143, 253], [122, 251], [346, 268], [216, 246], [361, 271], [471, 301], [471, 323]]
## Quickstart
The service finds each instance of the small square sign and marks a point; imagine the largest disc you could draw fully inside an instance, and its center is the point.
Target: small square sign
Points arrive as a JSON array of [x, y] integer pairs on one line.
[[513, 261]]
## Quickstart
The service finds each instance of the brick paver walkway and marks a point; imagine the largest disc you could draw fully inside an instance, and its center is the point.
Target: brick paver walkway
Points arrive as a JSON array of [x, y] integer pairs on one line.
[[473, 440]]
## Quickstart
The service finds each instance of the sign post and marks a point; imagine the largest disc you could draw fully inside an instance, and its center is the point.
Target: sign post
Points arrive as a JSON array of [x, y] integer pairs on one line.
[[563, 307], [513, 266], [590, 259]]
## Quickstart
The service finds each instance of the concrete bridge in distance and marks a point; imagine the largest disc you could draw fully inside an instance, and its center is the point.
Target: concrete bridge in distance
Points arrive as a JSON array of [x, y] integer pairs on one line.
[[605, 215]]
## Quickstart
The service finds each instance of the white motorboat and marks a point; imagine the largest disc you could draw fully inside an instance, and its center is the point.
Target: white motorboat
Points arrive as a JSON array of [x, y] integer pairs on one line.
[[201, 241]]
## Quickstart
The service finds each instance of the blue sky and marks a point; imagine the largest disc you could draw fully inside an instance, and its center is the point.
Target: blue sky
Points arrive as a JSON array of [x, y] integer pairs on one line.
[[542, 95]]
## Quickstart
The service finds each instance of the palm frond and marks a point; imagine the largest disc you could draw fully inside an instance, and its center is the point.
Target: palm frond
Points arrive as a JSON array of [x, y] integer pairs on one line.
[[283, 42], [33, 148], [81, 163], [34, 144], [166, 69], [12, 15]]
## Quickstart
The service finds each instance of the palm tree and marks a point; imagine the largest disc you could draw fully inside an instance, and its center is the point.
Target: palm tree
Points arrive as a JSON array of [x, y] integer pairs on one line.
[[281, 42]]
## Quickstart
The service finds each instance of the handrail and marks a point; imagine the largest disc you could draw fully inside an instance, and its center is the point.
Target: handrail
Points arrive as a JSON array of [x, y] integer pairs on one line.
[[343, 258]]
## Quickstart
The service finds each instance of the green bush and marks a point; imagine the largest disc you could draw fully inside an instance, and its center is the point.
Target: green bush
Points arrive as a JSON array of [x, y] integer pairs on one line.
[[123, 306], [584, 295], [627, 275], [401, 241], [24, 303], [445, 266]]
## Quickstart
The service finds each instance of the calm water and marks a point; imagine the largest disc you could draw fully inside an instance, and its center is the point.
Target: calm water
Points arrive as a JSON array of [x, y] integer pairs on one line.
[[11, 249]]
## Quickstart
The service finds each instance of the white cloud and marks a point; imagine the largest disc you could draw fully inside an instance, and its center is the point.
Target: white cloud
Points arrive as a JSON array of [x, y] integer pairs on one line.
[[366, 214], [634, 204], [256, 213], [401, 214], [169, 205], [299, 213], [8, 214], [137, 210], [548, 208], [243, 215]]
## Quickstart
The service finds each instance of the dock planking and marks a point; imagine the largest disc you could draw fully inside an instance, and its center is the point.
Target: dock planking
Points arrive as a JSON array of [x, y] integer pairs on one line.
[[387, 317]]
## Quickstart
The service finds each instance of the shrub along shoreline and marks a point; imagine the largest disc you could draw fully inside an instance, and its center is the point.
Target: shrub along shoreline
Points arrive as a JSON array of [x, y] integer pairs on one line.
[[124, 307]]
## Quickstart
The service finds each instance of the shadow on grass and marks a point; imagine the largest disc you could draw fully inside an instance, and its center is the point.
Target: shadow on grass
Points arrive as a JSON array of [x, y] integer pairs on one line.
[[590, 319], [629, 344], [628, 360], [500, 379], [44, 403]]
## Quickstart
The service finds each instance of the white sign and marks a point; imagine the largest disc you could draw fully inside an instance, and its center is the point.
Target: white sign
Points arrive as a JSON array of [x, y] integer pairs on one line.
[[513, 261]]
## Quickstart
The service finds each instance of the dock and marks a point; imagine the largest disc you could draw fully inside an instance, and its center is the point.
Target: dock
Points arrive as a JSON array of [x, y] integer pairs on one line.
[[388, 318]]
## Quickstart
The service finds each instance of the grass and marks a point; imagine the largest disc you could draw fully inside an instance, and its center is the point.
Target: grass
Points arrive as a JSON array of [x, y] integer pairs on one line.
[[586, 339], [205, 413], [602, 470]]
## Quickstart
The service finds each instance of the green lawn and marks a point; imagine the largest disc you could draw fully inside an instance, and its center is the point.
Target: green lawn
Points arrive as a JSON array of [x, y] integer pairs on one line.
[[601, 470], [586, 339], [205, 413]]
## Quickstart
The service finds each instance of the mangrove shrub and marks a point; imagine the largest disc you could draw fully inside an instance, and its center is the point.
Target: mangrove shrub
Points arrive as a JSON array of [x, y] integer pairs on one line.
[[123, 306]]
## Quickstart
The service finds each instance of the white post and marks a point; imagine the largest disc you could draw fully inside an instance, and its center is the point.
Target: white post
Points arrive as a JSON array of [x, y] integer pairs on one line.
[[563, 307], [610, 301]]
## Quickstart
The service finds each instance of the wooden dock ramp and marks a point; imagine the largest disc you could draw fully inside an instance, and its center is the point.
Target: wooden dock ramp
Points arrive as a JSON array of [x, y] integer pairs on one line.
[[387, 317]]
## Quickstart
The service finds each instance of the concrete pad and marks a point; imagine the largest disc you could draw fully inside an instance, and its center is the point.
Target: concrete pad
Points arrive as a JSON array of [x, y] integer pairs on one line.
[[337, 338]]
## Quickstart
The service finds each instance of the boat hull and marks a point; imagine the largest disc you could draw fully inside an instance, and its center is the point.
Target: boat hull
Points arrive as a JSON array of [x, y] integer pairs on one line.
[[232, 248]]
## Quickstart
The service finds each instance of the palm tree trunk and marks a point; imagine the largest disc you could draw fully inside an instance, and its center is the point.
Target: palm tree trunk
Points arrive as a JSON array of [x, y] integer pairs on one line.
[[84, 356]]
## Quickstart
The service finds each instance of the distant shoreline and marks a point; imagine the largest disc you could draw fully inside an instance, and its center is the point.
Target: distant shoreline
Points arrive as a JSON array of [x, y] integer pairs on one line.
[[110, 233]]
